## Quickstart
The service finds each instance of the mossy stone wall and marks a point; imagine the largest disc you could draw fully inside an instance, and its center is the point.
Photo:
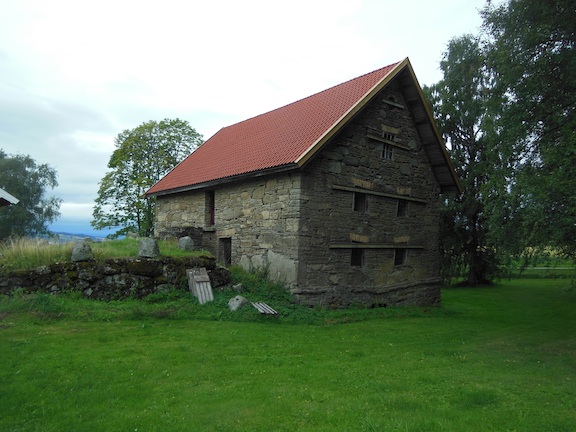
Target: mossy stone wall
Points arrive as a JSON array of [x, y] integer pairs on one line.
[[113, 278]]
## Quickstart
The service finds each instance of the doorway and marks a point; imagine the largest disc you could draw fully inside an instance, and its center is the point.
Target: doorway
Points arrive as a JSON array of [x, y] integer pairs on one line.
[[225, 251]]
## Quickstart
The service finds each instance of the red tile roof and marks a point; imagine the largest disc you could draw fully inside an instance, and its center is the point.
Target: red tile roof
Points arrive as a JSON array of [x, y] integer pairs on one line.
[[284, 137]]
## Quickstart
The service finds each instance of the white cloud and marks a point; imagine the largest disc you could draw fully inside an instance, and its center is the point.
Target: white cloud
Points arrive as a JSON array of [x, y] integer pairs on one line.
[[75, 74]]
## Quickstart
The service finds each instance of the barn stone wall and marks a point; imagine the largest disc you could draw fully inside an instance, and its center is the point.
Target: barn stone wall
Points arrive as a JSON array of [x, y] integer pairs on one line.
[[351, 164], [180, 215], [259, 217]]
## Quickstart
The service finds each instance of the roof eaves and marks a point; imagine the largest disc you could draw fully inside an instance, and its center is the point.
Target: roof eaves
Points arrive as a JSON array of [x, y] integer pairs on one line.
[[457, 182], [224, 180], [7, 199]]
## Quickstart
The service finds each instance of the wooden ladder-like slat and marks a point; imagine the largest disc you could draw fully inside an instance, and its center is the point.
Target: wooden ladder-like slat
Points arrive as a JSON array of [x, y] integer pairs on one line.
[[199, 284], [263, 308]]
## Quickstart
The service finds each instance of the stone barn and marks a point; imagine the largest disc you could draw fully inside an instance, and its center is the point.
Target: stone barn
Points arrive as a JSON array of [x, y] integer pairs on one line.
[[336, 195]]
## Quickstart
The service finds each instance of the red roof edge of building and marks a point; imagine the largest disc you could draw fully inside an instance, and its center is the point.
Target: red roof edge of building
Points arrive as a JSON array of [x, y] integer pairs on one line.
[[303, 154]]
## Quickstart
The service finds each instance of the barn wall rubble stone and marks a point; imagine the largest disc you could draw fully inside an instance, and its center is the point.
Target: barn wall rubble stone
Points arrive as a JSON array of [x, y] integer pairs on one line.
[[113, 278], [353, 163], [259, 217]]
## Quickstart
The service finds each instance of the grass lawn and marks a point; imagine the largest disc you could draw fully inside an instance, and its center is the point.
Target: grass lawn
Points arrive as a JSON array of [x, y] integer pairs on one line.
[[501, 358]]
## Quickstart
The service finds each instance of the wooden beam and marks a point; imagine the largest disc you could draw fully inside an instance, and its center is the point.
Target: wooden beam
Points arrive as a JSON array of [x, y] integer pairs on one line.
[[373, 246], [384, 140], [394, 104], [382, 194]]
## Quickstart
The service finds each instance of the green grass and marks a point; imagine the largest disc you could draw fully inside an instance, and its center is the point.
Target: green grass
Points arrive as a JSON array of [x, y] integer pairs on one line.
[[129, 247], [27, 254], [501, 358], [564, 272]]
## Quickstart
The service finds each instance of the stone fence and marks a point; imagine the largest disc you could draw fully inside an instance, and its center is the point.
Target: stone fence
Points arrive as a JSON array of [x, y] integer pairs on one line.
[[113, 278]]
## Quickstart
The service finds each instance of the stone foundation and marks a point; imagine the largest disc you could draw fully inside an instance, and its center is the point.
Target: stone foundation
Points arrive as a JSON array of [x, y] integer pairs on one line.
[[422, 293]]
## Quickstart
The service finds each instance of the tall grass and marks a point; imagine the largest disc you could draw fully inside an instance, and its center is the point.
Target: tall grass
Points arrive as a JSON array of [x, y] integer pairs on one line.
[[24, 253], [27, 254]]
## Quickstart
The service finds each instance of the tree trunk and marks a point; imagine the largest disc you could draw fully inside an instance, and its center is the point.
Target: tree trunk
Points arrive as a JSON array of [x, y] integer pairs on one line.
[[477, 269], [478, 266]]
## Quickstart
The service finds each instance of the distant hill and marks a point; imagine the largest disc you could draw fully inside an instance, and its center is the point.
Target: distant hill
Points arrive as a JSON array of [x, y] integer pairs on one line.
[[63, 237]]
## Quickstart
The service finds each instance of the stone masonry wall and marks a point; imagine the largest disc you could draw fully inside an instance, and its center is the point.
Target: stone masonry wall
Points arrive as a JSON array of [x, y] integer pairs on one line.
[[259, 217], [114, 278], [181, 214], [353, 161]]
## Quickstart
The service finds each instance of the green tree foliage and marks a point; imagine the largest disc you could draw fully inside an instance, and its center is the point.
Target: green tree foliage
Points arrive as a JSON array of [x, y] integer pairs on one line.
[[506, 107], [531, 44], [143, 155], [466, 104], [23, 178]]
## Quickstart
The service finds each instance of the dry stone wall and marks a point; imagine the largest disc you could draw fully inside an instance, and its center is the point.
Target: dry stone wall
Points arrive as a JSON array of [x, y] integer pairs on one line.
[[114, 278]]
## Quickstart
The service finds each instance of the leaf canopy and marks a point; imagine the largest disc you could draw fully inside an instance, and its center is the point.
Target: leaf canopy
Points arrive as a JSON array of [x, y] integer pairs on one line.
[[143, 156], [28, 181]]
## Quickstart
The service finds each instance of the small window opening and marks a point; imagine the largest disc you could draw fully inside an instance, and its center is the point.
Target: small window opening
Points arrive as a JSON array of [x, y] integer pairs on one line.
[[387, 152], [210, 208], [402, 210], [360, 202], [388, 136], [400, 257], [357, 257]]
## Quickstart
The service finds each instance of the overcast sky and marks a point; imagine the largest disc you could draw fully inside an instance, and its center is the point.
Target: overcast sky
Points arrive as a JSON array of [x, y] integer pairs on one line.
[[74, 74]]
